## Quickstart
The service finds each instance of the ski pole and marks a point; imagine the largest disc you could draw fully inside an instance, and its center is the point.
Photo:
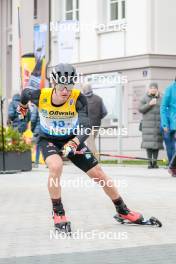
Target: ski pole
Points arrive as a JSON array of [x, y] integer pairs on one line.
[[117, 156]]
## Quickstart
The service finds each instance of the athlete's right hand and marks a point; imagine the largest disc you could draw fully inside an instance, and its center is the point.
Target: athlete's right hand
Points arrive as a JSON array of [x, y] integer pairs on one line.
[[22, 110], [69, 149]]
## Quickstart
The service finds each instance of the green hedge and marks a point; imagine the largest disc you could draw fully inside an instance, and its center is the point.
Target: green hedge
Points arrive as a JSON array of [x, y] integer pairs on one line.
[[13, 140]]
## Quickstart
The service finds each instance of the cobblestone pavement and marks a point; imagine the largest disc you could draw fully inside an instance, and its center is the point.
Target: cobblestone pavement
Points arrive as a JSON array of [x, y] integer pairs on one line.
[[27, 234]]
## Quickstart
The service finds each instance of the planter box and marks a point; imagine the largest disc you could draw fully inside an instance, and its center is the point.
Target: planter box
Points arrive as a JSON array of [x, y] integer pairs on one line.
[[26, 160], [16, 161]]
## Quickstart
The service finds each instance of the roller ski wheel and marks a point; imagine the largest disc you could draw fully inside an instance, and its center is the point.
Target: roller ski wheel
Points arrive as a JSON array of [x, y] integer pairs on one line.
[[152, 221], [61, 224]]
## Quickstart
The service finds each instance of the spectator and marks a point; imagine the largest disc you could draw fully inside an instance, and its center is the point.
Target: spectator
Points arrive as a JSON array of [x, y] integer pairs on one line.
[[151, 134], [35, 127], [13, 116], [168, 118], [96, 111], [169, 140]]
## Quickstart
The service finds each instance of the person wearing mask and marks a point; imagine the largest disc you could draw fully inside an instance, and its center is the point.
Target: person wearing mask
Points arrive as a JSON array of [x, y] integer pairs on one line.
[[152, 139]]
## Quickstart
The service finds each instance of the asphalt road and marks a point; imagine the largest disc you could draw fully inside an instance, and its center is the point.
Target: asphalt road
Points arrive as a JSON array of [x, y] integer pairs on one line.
[[27, 234]]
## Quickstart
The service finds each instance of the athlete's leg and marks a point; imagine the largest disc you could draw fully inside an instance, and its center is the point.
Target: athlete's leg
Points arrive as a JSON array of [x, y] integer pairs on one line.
[[89, 164], [55, 166], [98, 175]]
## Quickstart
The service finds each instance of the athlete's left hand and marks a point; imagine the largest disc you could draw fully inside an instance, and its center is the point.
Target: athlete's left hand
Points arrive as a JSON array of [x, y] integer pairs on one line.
[[69, 148]]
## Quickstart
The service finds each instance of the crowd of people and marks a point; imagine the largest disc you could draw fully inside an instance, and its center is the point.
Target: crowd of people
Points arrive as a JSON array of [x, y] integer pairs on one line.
[[157, 125]]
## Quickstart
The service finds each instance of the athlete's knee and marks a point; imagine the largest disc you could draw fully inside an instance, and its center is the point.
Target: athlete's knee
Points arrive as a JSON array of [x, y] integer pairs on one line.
[[97, 174], [55, 168]]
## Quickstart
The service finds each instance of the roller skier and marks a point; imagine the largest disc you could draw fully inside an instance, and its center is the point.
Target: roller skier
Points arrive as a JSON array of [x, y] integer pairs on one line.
[[63, 110]]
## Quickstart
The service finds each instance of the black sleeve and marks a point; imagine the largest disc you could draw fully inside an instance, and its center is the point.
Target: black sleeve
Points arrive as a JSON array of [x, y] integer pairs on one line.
[[84, 123], [30, 95]]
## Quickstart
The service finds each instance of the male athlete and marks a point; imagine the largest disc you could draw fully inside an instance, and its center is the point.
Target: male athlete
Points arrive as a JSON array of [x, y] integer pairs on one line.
[[63, 110]]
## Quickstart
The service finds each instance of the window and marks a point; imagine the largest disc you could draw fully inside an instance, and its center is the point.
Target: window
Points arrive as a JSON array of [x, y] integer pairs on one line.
[[71, 9], [114, 7], [35, 9], [9, 13], [117, 10], [123, 10]]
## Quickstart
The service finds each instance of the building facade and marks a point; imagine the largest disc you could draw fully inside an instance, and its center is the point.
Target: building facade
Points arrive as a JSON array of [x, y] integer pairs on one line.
[[132, 38], [17, 20]]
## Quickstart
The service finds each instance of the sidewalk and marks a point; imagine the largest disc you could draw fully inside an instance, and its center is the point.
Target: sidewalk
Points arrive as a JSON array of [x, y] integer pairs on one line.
[[27, 234]]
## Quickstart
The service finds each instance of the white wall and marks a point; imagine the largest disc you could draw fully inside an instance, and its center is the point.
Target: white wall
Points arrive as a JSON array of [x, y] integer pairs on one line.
[[95, 46], [88, 37], [26, 16], [111, 45], [164, 27], [150, 29], [15, 49], [136, 35]]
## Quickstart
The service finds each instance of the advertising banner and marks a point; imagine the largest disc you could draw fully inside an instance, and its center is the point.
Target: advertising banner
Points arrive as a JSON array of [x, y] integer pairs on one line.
[[37, 77]]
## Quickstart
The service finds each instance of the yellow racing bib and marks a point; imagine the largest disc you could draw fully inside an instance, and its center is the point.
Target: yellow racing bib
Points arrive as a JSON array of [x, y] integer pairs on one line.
[[61, 120]]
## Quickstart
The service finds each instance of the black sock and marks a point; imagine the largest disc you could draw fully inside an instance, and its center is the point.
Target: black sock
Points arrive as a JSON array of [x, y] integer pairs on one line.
[[120, 206], [58, 206]]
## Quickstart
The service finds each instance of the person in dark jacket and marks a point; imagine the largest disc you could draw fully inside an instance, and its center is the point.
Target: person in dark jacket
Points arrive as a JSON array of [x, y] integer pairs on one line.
[[96, 112], [152, 139], [13, 116]]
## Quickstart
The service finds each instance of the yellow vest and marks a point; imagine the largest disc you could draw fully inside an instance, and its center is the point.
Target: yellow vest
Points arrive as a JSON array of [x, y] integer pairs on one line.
[[61, 120]]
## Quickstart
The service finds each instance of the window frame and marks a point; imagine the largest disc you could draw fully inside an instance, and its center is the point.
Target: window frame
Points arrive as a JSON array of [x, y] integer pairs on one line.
[[35, 14], [120, 13], [73, 11]]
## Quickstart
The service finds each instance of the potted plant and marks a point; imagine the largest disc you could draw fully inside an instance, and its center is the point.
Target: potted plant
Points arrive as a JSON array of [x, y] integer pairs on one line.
[[16, 152]]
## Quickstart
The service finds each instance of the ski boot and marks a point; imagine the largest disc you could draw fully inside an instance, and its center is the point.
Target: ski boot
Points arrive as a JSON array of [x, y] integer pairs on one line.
[[136, 218], [129, 217], [150, 165], [155, 165], [62, 225]]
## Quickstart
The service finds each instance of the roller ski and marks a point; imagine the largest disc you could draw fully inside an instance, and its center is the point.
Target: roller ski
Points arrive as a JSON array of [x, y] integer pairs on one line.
[[61, 224], [136, 219]]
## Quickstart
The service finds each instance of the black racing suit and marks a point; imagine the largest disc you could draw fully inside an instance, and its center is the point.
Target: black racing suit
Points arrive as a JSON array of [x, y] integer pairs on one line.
[[51, 145]]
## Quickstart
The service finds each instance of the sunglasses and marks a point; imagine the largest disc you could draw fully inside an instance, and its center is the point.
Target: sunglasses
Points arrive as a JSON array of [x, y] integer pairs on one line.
[[61, 87]]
